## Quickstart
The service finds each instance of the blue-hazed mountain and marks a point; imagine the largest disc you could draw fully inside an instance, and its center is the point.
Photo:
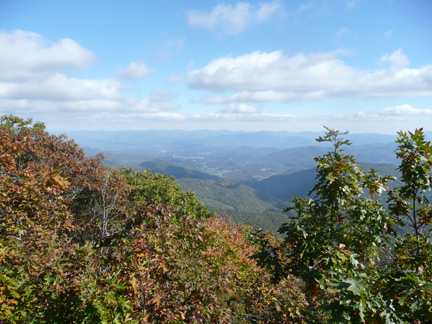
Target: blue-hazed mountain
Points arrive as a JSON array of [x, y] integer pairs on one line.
[[236, 156], [162, 167], [204, 141], [303, 157], [242, 203], [183, 140], [299, 184]]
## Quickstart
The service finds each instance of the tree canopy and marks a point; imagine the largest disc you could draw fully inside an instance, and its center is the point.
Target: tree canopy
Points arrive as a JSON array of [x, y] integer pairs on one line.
[[362, 258]]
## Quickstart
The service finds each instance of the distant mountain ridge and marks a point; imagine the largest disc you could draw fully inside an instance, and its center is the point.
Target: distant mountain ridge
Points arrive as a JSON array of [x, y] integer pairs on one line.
[[242, 203], [159, 139], [251, 176], [162, 167], [299, 184], [259, 203], [237, 156]]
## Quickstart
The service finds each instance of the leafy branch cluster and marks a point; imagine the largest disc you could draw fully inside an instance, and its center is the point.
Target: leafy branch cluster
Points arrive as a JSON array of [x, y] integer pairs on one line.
[[362, 257]]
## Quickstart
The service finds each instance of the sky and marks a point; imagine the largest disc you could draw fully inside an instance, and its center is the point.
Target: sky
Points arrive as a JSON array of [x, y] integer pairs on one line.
[[357, 65]]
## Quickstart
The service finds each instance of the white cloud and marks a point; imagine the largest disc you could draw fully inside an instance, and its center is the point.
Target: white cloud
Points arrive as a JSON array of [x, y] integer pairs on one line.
[[240, 109], [364, 116], [129, 105], [33, 79], [163, 116], [243, 113], [135, 70], [249, 117], [396, 58], [60, 87], [233, 19], [146, 105], [261, 71], [25, 55], [252, 96], [275, 76], [394, 113], [406, 110]]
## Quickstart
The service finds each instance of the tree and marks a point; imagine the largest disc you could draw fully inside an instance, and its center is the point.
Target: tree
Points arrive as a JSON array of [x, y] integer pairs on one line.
[[409, 202], [18, 125], [47, 206], [335, 240], [151, 189]]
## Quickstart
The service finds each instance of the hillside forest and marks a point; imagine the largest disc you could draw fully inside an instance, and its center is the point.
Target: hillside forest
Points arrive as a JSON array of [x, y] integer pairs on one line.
[[85, 242], [248, 176]]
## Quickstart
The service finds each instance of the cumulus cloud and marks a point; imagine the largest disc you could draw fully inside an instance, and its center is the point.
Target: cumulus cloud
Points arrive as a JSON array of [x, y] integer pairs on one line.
[[406, 110], [33, 79], [135, 70], [129, 105], [25, 55], [396, 58], [275, 76], [233, 19], [147, 106], [60, 87]]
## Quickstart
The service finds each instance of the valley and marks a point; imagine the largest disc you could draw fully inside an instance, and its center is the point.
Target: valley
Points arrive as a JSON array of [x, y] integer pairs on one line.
[[249, 177]]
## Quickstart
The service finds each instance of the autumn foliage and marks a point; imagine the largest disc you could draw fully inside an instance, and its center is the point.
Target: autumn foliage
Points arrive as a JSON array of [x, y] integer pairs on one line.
[[81, 242], [84, 243]]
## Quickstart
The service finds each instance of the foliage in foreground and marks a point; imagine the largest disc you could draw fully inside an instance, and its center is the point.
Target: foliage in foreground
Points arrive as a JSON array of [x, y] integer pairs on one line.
[[84, 243], [362, 260]]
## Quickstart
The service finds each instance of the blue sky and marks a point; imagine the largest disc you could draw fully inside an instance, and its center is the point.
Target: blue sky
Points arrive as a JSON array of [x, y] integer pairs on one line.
[[361, 65]]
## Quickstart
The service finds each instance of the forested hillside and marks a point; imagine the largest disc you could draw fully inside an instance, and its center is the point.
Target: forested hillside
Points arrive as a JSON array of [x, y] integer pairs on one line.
[[256, 203], [84, 243], [160, 166], [241, 203], [238, 202], [81, 242]]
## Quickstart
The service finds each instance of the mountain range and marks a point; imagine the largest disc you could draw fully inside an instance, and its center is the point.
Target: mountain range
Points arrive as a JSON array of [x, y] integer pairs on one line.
[[250, 177]]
